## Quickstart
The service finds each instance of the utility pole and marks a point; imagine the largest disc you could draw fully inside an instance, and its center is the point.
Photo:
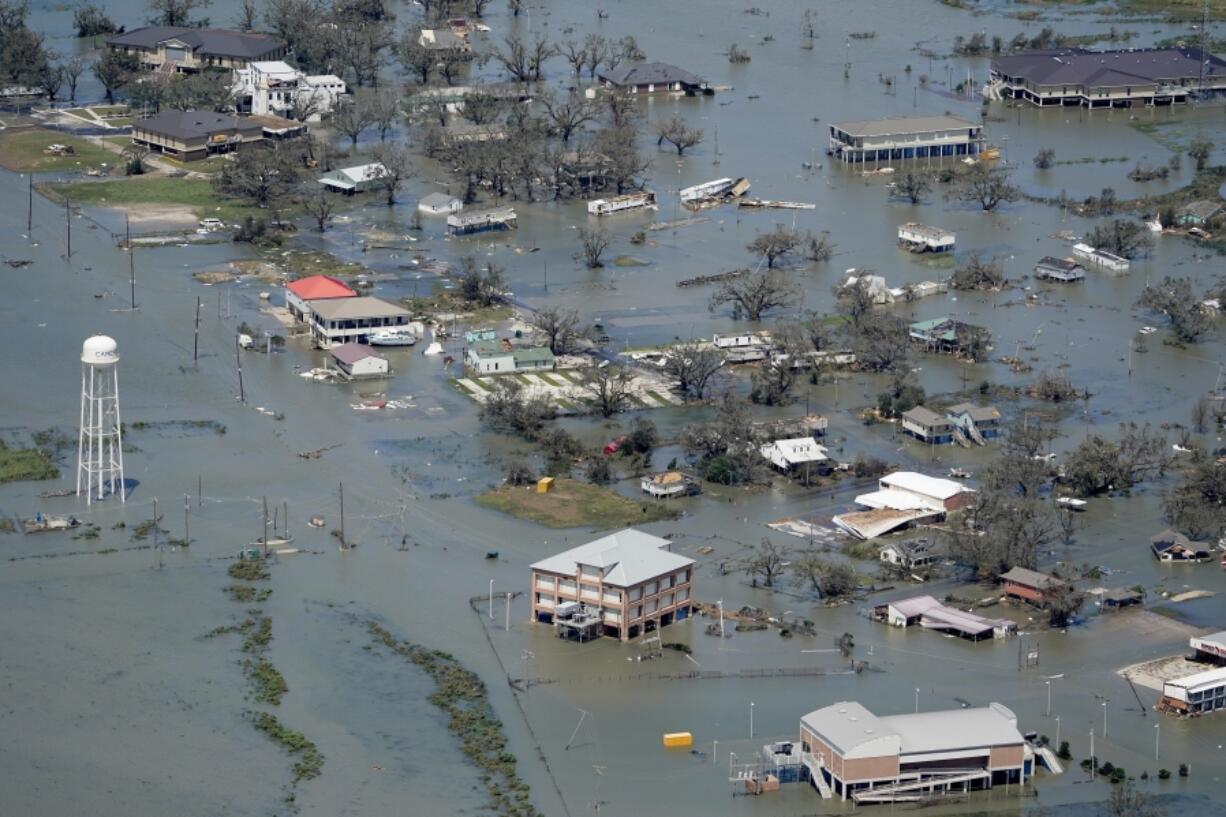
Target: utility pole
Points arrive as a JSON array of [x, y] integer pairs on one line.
[[30, 206], [546, 274], [341, 493], [68, 224], [187, 533], [127, 232], [199, 491], [238, 361], [132, 275], [156, 546], [508, 625], [196, 336]]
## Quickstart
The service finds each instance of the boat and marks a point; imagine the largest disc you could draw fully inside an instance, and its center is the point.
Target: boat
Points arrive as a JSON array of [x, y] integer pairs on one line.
[[393, 337], [1072, 503], [276, 540], [959, 473], [491, 554]]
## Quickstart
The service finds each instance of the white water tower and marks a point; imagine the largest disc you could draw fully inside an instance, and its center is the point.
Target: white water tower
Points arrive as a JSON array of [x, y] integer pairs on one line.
[[100, 446]]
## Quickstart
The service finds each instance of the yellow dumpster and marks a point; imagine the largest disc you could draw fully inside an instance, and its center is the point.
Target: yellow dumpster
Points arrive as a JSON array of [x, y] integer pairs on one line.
[[678, 740], [544, 485]]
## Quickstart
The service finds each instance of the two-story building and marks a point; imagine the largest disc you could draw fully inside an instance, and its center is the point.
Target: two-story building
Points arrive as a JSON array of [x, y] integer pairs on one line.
[[183, 50], [850, 752], [628, 582], [924, 424], [278, 89], [334, 321], [902, 138], [313, 288]]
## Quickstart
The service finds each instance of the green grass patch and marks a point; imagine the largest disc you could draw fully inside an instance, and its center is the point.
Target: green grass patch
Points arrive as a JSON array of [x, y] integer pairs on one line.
[[523, 378], [573, 504], [248, 571], [572, 377], [269, 682], [481, 384], [26, 150], [661, 399], [310, 761], [566, 405], [134, 191], [553, 379], [639, 401], [22, 464]]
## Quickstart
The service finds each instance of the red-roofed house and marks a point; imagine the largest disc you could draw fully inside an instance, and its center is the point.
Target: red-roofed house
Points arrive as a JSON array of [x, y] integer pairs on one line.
[[313, 288]]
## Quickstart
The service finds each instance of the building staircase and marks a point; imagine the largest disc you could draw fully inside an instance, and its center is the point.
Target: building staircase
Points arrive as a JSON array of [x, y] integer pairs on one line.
[[814, 765], [916, 790], [973, 431]]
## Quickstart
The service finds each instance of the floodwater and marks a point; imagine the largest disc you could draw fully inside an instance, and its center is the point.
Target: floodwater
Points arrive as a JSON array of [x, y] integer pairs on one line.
[[115, 704]]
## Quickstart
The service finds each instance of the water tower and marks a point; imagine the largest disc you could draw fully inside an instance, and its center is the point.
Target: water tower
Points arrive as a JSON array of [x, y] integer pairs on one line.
[[100, 447]]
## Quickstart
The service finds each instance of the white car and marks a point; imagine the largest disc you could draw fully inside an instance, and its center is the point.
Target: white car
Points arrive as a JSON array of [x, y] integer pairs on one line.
[[212, 223]]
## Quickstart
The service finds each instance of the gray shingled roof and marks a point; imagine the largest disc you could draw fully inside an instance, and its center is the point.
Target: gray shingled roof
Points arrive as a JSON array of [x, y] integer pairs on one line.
[[903, 125], [650, 73], [218, 42], [193, 124], [1078, 66]]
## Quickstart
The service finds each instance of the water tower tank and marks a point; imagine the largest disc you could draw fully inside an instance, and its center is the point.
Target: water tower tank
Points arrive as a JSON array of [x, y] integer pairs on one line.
[[100, 350]]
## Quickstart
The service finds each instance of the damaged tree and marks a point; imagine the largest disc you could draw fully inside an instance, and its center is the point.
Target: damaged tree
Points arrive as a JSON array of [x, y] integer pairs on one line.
[[755, 294]]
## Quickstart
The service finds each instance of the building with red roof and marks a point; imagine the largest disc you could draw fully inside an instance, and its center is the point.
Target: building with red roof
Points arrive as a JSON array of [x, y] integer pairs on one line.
[[313, 288]]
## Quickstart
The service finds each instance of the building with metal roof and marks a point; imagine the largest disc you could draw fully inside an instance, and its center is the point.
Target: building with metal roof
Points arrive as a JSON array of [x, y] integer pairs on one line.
[[355, 179], [357, 361], [313, 288], [851, 752], [1106, 79], [901, 499], [651, 77], [630, 581], [1031, 585], [926, 425], [796, 452], [904, 138], [181, 49]]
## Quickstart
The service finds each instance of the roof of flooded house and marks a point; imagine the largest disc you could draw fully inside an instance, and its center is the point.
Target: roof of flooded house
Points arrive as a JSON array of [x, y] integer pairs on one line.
[[320, 287], [532, 354], [923, 484], [1079, 66], [352, 352], [979, 414], [221, 42], [650, 73], [357, 173], [437, 200], [855, 732], [924, 416], [1052, 262], [192, 124], [627, 558], [796, 450], [1031, 578], [356, 308], [903, 124]]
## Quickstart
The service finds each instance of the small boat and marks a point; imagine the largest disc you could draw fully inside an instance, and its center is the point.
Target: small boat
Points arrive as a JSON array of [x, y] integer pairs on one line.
[[393, 337], [493, 554], [1071, 503], [959, 473]]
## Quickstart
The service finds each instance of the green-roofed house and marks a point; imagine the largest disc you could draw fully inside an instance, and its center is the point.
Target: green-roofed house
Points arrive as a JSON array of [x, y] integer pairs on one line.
[[496, 357], [949, 336]]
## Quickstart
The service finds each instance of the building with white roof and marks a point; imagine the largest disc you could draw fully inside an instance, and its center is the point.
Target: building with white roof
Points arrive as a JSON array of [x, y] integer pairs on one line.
[[1204, 691], [794, 453], [902, 498], [629, 581], [849, 751], [356, 179], [276, 88]]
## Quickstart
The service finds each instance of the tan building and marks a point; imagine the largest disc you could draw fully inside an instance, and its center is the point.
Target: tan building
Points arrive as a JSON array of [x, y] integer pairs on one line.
[[850, 752], [621, 585], [182, 50], [192, 135]]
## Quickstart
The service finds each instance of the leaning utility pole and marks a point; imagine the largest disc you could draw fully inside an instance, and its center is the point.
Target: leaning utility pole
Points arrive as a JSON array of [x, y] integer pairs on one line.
[[341, 493], [68, 224], [238, 361], [196, 335]]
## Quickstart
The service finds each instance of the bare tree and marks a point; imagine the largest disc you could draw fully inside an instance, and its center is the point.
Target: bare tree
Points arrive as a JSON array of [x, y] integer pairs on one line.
[[912, 186], [174, 12], [568, 114], [1100, 465], [818, 248], [318, 204], [596, 50], [397, 168], [1176, 298], [559, 326], [986, 186], [608, 389], [1045, 158], [384, 107], [595, 241], [248, 15], [775, 244], [1202, 414], [482, 107], [575, 54], [525, 62], [755, 294], [622, 109], [1123, 237], [352, 117], [515, 6], [693, 364], [1126, 800], [73, 69], [479, 8], [766, 562], [415, 58], [676, 132]]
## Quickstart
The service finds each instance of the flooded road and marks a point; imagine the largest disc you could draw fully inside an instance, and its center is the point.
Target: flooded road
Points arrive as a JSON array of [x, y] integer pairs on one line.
[[117, 704]]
